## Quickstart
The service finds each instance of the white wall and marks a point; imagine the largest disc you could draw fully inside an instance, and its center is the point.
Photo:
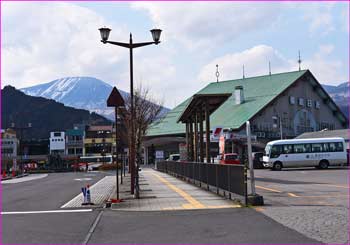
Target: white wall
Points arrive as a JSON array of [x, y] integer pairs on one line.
[[57, 141]]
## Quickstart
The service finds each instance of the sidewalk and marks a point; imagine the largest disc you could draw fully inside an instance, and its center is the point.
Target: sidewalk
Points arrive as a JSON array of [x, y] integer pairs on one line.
[[161, 192]]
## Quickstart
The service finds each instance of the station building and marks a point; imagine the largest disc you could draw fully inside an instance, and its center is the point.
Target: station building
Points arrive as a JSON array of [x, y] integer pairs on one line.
[[292, 103]]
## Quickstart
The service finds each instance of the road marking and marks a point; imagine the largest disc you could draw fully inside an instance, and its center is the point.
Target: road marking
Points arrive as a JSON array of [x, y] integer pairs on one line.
[[193, 203], [324, 196], [339, 186], [259, 209], [292, 194], [268, 189], [83, 179], [24, 179], [49, 211], [92, 229]]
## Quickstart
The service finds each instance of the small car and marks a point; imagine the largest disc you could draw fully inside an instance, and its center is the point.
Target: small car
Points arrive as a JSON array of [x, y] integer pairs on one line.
[[174, 157], [230, 158], [258, 159]]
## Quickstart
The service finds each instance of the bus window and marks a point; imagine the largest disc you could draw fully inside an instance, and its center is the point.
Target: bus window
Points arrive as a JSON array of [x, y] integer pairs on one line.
[[332, 147], [325, 147], [316, 147], [276, 151], [299, 148], [339, 146], [287, 149]]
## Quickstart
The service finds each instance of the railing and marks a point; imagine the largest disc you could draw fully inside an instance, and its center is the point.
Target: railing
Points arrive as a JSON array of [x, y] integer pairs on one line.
[[228, 178]]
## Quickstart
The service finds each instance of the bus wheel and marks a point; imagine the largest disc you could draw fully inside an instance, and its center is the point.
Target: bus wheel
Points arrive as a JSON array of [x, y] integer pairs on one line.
[[323, 164], [277, 166]]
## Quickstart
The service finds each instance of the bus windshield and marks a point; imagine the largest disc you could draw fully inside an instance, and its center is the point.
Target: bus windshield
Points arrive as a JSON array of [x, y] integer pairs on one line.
[[267, 150]]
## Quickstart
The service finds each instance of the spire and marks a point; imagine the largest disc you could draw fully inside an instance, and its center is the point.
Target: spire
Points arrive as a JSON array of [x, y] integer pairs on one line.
[[269, 68], [299, 61], [243, 72], [217, 74]]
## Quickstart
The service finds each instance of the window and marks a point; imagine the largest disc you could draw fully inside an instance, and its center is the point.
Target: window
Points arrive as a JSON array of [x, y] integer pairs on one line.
[[317, 147], [309, 103], [292, 100], [287, 149], [79, 151], [57, 134], [338, 146], [317, 104], [276, 151], [301, 102], [332, 147], [71, 151], [301, 148]]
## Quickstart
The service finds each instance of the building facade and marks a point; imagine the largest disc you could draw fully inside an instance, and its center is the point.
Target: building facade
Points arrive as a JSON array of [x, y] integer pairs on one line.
[[57, 143], [9, 148], [99, 140], [75, 142], [291, 103]]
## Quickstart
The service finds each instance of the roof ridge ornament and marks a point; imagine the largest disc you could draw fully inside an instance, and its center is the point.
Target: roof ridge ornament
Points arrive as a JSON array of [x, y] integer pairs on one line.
[[243, 72], [217, 74], [299, 61]]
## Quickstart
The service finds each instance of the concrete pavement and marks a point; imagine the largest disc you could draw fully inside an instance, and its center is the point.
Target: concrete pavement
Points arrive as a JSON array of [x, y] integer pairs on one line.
[[159, 191]]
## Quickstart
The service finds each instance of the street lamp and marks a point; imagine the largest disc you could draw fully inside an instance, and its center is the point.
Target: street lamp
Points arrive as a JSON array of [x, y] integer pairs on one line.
[[104, 31]]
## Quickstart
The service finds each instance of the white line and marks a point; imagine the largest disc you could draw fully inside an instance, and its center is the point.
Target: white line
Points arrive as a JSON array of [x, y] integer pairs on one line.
[[50, 211], [92, 229]]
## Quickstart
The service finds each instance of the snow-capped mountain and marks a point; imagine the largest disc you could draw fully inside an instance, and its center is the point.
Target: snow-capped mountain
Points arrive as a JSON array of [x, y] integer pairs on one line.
[[80, 92], [341, 96]]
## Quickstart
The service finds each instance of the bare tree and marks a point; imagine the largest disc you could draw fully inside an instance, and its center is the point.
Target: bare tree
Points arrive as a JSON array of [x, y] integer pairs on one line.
[[147, 109]]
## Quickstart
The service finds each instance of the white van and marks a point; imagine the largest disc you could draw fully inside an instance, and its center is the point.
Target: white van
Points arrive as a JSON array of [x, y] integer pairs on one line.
[[320, 153]]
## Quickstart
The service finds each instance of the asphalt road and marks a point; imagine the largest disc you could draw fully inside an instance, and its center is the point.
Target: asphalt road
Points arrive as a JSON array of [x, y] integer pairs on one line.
[[311, 201], [238, 225]]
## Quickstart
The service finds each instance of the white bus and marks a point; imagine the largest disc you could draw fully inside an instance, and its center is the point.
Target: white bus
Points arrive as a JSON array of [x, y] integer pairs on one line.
[[320, 153], [93, 162]]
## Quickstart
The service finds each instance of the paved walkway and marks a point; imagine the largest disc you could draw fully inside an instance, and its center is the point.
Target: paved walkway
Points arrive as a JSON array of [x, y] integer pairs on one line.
[[160, 192]]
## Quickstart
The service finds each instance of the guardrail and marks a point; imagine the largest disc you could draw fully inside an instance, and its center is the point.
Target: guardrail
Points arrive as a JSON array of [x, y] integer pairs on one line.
[[228, 178]]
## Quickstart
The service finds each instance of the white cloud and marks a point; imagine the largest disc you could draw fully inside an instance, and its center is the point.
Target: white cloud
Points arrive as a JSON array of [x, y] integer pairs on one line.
[[255, 60], [51, 40], [197, 24], [326, 69]]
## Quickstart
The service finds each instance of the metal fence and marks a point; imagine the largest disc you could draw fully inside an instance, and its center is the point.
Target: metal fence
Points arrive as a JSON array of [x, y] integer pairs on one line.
[[229, 178]]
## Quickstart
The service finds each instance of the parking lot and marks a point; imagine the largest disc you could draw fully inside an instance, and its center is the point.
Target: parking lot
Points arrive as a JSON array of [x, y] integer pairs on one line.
[[311, 201]]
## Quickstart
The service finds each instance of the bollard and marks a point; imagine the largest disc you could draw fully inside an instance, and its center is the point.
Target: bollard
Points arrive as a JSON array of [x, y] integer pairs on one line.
[[83, 190], [4, 173], [13, 173]]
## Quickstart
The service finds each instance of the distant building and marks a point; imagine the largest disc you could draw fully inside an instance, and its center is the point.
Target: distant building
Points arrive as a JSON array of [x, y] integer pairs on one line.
[[9, 148], [293, 100], [99, 140], [75, 142], [57, 143], [343, 133]]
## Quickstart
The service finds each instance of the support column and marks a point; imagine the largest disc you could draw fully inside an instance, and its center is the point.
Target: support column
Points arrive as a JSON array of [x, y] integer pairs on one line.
[[191, 140], [196, 137], [207, 131], [187, 142], [201, 143]]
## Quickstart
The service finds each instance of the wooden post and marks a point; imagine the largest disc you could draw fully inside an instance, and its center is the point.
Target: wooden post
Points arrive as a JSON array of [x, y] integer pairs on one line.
[[201, 143], [191, 140], [187, 142], [207, 131], [196, 137]]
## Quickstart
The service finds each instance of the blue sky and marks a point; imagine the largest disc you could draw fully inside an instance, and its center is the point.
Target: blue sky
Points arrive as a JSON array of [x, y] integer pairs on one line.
[[45, 41]]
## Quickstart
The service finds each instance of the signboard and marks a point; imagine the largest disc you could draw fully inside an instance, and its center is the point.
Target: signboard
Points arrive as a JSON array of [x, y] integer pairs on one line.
[[159, 154], [183, 151]]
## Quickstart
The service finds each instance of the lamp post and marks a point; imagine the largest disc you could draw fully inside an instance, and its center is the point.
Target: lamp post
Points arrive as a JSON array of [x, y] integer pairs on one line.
[[156, 37]]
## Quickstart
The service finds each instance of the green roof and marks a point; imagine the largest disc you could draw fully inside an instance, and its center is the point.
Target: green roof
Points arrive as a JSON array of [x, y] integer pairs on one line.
[[74, 132], [258, 92]]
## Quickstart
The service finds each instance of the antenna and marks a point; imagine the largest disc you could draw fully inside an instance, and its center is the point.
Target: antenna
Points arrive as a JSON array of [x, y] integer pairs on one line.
[[243, 72], [269, 68], [299, 61], [217, 74]]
